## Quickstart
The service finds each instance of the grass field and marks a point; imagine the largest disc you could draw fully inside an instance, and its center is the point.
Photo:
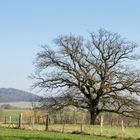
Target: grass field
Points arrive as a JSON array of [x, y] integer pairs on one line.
[[16, 134], [13, 113], [114, 131], [108, 131]]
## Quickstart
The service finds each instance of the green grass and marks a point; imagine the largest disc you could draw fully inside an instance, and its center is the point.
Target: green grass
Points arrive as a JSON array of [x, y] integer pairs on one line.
[[13, 113], [68, 128], [115, 131], [17, 134]]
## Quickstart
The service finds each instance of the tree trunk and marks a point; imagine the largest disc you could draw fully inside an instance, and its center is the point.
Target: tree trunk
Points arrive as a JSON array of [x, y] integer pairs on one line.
[[138, 122], [94, 112], [93, 116]]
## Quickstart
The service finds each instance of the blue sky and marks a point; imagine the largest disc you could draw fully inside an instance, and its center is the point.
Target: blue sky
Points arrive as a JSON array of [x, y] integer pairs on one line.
[[26, 24]]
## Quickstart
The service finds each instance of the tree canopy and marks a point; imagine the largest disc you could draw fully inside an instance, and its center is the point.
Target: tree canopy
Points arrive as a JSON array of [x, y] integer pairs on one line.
[[91, 74]]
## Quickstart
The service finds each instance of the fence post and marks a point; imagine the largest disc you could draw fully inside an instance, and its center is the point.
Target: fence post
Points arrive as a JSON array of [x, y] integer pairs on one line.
[[10, 121], [63, 127], [33, 122], [101, 126], [47, 122], [30, 121], [122, 126], [81, 127], [138, 121], [20, 121], [5, 121]]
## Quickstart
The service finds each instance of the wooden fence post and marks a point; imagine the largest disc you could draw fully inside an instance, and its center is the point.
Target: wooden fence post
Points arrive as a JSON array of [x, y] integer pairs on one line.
[[10, 121], [5, 121], [81, 127], [122, 124], [30, 121], [138, 121], [47, 122], [20, 121], [101, 126], [63, 127], [33, 122]]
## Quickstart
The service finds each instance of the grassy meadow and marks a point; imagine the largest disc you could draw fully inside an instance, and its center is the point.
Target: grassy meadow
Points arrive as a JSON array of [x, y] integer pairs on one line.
[[37, 131], [7, 113], [18, 134], [108, 131]]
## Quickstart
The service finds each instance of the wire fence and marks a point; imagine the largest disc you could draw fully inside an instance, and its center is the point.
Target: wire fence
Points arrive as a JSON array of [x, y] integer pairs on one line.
[[44, 123]]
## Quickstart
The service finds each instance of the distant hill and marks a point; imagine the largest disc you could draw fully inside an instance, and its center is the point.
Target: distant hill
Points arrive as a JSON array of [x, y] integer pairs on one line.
[[16, 95]]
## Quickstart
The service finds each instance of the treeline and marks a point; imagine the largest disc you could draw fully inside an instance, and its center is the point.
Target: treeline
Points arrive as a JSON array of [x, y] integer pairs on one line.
[[77, 116], [9, 106], [71, 115]]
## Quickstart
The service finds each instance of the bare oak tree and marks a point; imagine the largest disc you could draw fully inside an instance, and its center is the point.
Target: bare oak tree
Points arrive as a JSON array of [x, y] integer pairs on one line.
[[93, 75]]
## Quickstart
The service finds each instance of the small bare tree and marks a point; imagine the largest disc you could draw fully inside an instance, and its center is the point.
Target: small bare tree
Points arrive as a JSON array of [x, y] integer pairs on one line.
[[92, 75]]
